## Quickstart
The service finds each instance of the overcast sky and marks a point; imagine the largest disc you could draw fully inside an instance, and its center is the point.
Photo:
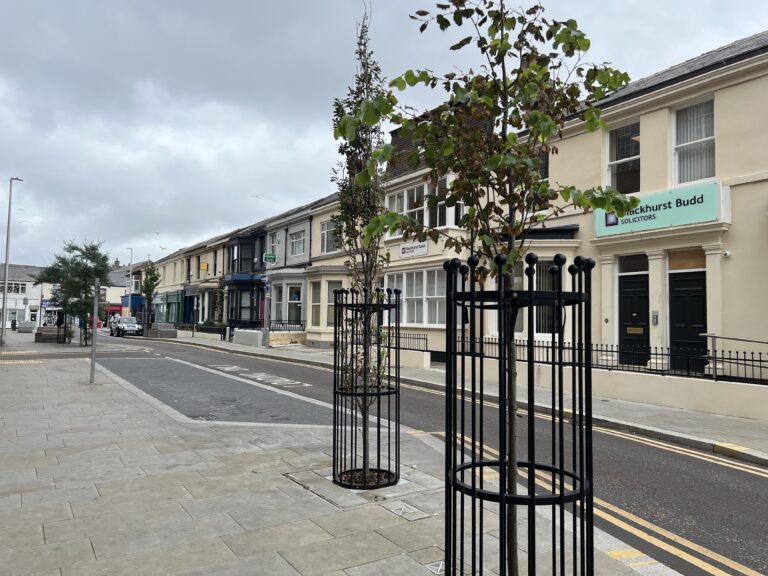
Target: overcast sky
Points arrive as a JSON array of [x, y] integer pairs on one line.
[[155, 124]]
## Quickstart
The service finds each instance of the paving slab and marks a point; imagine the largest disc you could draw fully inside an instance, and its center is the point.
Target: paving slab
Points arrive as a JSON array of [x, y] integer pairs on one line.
[[46, 557], [199, 555], [100, 524], [361, 520], [276, 538], [163, 534], [340, 553], [395, 566]]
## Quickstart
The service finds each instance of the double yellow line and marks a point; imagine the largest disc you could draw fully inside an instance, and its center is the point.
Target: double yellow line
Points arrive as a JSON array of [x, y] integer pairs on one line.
[[647, 531], [660, 444]]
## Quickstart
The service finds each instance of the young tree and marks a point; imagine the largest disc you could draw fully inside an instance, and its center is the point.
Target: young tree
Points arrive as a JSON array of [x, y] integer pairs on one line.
[[150, 281], [359, 203], [496, 127], [73, 274], [219, 307]]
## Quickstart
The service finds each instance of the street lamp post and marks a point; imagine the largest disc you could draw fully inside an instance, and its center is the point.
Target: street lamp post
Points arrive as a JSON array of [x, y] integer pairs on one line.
[[7, 257], [130, 282]]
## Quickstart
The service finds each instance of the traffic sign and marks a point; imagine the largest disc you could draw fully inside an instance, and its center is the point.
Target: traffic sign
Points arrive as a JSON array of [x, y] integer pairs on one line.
[[269, 257]]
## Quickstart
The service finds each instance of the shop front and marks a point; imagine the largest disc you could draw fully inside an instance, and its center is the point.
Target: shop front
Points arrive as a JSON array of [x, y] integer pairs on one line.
[[661, 276]]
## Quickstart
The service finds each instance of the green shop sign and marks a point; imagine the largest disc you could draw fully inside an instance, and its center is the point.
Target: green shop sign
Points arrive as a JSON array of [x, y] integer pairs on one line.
[[677, 207]]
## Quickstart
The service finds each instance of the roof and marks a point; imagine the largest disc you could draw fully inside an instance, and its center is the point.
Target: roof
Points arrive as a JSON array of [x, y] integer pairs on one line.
[[743, 49], [20, 272]]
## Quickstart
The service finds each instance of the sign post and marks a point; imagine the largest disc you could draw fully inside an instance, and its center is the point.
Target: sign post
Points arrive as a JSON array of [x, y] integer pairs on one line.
[[267, 310], [94, 316]]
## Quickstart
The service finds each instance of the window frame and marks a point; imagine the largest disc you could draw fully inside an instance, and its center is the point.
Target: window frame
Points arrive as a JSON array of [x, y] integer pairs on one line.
[[676, 147], [296, 303], [315, 303], [277, 302], [330, 286], [328, 236], [452, 213], [610, 164], [421, 301], [294, 238]]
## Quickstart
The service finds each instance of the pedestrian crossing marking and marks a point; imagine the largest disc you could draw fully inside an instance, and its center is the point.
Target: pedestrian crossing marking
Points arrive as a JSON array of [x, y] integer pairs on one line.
[[261, 376], [227, 367]]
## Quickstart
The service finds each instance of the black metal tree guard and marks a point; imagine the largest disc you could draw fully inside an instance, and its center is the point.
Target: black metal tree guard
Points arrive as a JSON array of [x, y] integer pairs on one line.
[[366, 388], [483, 466]]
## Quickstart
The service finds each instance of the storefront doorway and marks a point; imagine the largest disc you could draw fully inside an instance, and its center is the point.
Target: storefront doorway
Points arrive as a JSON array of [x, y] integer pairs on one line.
[[634, 337], [687, 320]]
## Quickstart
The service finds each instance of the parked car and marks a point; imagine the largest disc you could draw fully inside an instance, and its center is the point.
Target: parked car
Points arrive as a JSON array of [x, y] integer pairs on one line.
[[125, 325]]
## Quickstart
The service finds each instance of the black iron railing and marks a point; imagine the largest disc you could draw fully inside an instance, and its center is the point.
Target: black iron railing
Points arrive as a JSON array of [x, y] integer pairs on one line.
[[246, 324], [730, 365], [287, 325], [417, 342]]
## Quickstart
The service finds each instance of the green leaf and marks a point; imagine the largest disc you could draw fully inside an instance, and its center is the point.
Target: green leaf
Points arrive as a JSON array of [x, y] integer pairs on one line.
[[461, 43], [369, 114], [398, 83], [410, 77], [350, 127]]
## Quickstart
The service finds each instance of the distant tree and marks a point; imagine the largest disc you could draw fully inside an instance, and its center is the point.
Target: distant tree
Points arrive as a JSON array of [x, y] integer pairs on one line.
[[498, 126], [72, 275], [219, 307], [359, 203], [150, 281]]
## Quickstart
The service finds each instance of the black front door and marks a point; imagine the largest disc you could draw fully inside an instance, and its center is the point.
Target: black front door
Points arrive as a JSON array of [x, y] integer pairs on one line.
[[634, 340], [687, 320]]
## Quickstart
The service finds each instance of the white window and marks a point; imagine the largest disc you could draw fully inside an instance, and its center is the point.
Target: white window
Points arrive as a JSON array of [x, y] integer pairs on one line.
[[435, 296], [423, 300], [315, 316], [695, 142], [328, 237], [330, 319], [294, 303], [415, 203], [437, 214], [273, 243], [297, 243], [624, 158], [277, 300]]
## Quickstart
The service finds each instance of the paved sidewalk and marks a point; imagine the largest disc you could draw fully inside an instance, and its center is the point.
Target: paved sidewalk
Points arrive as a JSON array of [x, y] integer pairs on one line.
[[740, 438], [105, 480]]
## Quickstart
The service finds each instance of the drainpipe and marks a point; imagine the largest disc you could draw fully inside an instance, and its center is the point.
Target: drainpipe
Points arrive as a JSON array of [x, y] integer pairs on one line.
[[285, 248], [309, 251]]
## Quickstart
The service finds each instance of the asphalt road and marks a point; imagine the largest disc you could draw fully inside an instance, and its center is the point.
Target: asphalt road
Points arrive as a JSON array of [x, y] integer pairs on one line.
[[693, 511]]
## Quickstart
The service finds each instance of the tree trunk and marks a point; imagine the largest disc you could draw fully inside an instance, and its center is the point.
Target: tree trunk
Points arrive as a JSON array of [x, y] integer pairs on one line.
[[512, 566]]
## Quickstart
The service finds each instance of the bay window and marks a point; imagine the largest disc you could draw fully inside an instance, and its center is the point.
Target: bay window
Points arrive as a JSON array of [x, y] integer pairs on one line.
[[294, 303], [315, 316], [423, 296], [330, 319]]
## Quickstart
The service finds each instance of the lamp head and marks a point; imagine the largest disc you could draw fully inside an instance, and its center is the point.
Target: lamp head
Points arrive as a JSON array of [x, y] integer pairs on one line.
[[17, 179]]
